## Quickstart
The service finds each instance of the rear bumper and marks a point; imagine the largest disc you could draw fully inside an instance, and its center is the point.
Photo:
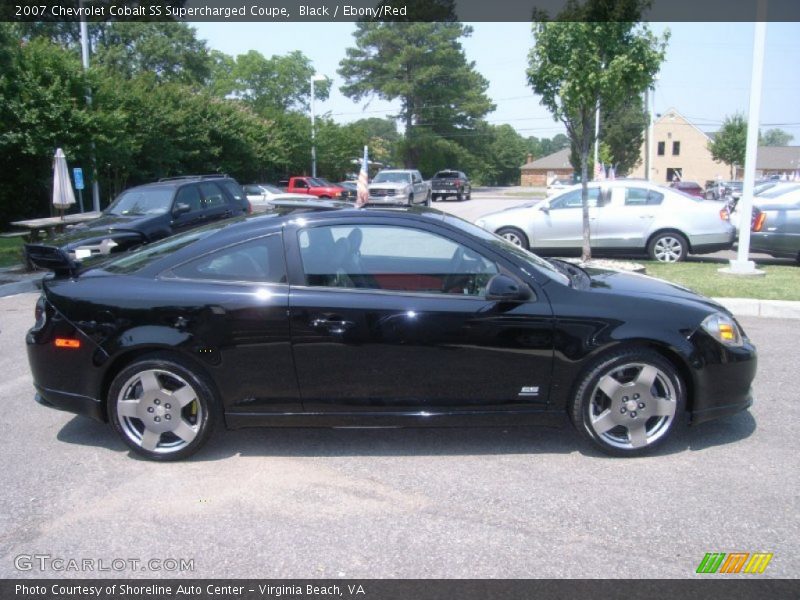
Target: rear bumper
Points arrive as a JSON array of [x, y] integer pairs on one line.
[[74, 403], [705, 244]]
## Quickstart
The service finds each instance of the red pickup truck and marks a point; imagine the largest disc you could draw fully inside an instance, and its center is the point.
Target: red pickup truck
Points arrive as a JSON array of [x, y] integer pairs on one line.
[[313, 186]]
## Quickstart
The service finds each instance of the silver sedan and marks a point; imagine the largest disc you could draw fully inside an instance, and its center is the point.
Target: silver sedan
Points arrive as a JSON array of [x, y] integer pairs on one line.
[[624, 216]]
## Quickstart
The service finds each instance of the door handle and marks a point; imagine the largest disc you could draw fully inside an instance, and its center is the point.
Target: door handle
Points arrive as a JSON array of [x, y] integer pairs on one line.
[[645, 216], [335, 326]]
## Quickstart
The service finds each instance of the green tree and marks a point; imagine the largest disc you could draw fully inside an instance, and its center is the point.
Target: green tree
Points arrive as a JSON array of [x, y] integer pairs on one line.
[[596, 53], [728, 145], [622, 132], [270, 85], [424, 66], [774, 137]]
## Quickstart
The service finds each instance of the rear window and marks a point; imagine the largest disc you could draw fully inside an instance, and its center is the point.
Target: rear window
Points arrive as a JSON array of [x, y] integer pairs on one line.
[[446, 175], [138, 259]]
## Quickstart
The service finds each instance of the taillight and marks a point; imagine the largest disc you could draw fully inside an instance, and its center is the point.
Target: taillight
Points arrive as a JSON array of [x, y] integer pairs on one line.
[[40, 313], [758, 222], [724, 214]]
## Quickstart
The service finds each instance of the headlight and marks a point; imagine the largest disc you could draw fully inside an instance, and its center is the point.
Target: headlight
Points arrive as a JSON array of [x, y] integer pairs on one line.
[[723, 329]]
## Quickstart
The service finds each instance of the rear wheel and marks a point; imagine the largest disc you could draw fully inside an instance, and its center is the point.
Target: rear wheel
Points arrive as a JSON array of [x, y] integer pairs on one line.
[[459, 196], [515, 236], [668, 247], [162, 408], [629, 402]]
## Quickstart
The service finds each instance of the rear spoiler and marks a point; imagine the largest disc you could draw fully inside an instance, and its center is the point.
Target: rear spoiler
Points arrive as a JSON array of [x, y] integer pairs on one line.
[[51, 258]]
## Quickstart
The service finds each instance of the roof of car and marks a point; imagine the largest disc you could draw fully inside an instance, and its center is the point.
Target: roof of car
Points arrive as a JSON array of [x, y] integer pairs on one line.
[[176, 181]]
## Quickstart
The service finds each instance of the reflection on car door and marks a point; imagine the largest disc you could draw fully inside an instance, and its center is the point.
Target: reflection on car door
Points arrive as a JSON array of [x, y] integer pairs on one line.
[[389, 318], [624, 222]]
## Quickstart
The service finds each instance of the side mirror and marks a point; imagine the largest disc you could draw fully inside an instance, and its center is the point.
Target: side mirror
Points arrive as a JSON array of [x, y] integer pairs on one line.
[[502, 288], [180, 209], [545, 208]]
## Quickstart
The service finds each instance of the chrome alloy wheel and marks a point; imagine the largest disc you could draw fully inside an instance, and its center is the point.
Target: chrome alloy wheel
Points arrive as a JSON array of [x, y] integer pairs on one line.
[[668, 249], [513, 238], [159, 411], [632, 406]]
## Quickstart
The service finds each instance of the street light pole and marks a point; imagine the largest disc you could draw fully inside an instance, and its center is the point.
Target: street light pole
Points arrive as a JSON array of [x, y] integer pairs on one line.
[[315, 77], [85, 61]]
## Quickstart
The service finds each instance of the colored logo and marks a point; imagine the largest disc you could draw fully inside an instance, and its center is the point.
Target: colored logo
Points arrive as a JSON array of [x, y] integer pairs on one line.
[[735, 562]]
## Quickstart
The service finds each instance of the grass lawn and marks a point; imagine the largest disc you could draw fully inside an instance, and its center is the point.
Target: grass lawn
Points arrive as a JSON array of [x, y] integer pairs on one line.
[[780, 282], [10, 252]]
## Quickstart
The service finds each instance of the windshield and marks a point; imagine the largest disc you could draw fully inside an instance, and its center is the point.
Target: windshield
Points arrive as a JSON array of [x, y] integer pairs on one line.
[[778, 191], [503, 245], [270, 189], [315, 182], [446, 175], [146, 201], [392, 177]]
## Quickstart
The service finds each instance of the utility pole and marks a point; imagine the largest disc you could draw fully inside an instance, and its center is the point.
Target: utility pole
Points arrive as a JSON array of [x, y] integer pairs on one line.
[[85, 60], [315, 77]]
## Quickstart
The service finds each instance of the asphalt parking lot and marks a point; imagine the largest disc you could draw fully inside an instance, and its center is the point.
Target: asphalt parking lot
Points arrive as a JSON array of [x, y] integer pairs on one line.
[[455, 503]]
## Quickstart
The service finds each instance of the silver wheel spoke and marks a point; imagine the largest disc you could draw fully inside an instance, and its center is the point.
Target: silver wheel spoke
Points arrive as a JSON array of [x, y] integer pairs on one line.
[[647, 376], [604, 422], [150, 439], [609, 386], [637, 435], [185, 431], [184, 395], [663, 407], [149, 382], [128, 408]]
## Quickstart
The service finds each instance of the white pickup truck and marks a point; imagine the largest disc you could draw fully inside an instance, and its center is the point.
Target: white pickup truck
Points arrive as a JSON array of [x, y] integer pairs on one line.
[[399, 186]]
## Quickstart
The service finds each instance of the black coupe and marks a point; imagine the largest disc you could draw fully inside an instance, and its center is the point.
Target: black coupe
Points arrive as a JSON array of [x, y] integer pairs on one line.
[[319, 314]]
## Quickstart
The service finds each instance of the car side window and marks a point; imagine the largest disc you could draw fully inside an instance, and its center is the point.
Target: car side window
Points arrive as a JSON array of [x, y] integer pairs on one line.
[[190, 195], [391, 258], [259, 260], [212, 195], [642, 197], [573, 199]]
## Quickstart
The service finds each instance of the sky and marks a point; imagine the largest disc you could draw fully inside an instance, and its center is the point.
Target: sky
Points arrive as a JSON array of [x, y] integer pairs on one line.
[[705, 76]]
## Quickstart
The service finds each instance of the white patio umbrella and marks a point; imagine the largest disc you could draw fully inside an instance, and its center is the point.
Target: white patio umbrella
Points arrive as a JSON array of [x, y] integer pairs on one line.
[[63, 195]]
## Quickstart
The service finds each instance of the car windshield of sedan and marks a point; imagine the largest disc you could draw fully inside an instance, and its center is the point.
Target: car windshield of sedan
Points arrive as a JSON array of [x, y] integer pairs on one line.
[[151, 201], [392, 178]]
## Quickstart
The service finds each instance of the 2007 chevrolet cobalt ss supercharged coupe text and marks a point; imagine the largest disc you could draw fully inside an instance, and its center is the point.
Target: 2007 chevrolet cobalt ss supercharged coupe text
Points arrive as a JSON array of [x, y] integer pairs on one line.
[[319, 314]]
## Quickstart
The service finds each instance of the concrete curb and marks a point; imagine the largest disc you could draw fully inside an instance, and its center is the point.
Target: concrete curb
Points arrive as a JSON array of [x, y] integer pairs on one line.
[[773, 309]]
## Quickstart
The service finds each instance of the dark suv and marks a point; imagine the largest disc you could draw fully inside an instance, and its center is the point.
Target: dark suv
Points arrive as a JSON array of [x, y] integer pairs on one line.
[[153, 211]]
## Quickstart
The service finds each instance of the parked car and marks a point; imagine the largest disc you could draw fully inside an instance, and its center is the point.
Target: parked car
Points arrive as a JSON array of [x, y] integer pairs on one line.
[[722, 190], [312, 186], [399, 186], [689, 187], [776, 225], [625, 216], [146, 213], [262, 195], [450, 183], [319, 314], [350, 185], [558, 185], [348, 194]]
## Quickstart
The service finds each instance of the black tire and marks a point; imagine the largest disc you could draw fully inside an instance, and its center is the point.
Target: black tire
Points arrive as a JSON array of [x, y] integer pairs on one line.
[[459, 196], [410, 200], [469, 194], [193, 412], [668, 247], [515, 236], [435, 198], [616, 409], [427, 200]]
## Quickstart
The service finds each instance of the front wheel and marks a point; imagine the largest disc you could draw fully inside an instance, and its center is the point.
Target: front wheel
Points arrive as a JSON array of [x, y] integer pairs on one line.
[[668, 247], [629, 402], [428, 199], [515, 236], [161, 408]]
